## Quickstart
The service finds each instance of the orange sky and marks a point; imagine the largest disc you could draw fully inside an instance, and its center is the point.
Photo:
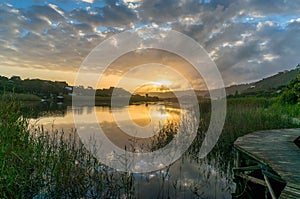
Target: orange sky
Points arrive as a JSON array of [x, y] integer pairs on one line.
[[163, 70], [143, 68]]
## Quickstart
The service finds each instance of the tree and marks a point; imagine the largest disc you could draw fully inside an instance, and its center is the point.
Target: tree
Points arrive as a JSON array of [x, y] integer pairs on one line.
[[236, 93], [292, 94], [289, 97]]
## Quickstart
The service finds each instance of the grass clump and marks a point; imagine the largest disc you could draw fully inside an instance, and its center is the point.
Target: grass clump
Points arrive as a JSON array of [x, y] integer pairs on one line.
[[39, 164], [15, 151]]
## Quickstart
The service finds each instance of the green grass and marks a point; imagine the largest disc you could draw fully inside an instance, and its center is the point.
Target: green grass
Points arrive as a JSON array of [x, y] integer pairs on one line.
[[287, 109], [50, 164], [251, 102], [23, 97]]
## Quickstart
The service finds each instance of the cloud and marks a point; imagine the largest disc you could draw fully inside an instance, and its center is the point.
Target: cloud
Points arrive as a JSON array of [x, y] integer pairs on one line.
[[88, 1], [247, 39], [132, 4], [111, 15]]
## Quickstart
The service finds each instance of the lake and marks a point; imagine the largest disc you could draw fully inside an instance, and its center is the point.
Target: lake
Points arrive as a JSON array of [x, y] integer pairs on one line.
[[188, 177]]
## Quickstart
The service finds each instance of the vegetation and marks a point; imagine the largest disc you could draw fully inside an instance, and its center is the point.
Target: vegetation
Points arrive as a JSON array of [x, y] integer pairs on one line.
[[50, 165], [37, 87], [26, 97], [292, 94]]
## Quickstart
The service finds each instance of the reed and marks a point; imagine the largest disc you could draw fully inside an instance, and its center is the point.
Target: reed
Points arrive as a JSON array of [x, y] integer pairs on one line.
[[42, 164]]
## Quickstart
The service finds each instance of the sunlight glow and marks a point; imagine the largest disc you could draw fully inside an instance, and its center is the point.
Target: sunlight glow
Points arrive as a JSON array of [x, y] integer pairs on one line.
[[162, 82]]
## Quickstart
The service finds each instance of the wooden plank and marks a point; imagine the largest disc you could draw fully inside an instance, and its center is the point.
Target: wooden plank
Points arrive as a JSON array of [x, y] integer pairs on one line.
[[290, 192], [252, 179], [274, 177], [270, 187], [249, 168], [285, 195]]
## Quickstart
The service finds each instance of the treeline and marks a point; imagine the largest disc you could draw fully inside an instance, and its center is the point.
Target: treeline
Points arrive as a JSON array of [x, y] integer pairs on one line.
[[32, 86], [47, 89], [105, 92]]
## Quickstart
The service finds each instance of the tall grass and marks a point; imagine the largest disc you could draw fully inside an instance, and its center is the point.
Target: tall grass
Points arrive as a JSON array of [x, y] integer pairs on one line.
[[247, 115], [15, 152], [42, 164]]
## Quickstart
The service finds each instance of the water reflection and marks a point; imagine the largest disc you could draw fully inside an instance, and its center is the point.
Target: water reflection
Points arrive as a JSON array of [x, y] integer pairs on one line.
[[153, 116], [189, 177]]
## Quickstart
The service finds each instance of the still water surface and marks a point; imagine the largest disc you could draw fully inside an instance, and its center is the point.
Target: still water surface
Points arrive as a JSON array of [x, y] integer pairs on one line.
[[188, 177]]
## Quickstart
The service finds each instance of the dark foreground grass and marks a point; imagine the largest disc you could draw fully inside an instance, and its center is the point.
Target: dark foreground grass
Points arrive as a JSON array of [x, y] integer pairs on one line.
[[40, 164], [50, 165]]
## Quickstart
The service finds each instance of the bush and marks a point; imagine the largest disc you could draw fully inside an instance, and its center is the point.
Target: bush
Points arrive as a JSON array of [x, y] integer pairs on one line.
[[292, 94], [289, 97]]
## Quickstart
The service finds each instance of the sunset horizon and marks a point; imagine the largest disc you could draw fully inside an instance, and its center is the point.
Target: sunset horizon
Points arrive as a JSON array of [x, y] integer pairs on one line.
[[150, 99]]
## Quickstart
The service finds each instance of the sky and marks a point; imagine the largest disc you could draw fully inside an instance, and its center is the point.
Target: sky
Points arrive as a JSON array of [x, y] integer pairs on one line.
[[247, 39]]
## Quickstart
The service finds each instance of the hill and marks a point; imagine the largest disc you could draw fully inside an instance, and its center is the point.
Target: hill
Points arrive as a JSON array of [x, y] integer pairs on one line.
[[272, 84]]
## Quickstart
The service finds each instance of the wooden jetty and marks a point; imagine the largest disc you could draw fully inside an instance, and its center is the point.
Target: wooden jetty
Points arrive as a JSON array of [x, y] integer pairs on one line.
[[270, 160]]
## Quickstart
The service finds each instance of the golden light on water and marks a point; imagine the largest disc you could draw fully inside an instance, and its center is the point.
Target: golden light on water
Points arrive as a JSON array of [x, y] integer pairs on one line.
[[158, 114]]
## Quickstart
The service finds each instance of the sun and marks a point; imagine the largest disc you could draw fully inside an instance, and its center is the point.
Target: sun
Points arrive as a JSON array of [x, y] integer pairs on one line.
[[162, 83], [154, 86]]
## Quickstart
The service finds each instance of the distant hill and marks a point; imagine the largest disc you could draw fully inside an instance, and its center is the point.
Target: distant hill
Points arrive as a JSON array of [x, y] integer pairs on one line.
[[272, 83]]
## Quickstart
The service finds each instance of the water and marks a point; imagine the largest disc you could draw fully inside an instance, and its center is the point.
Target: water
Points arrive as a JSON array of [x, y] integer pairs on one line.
[[188, 177]]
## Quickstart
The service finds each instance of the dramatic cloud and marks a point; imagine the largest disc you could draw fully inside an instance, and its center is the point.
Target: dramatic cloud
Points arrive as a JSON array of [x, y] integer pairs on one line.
[[248, 40]]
